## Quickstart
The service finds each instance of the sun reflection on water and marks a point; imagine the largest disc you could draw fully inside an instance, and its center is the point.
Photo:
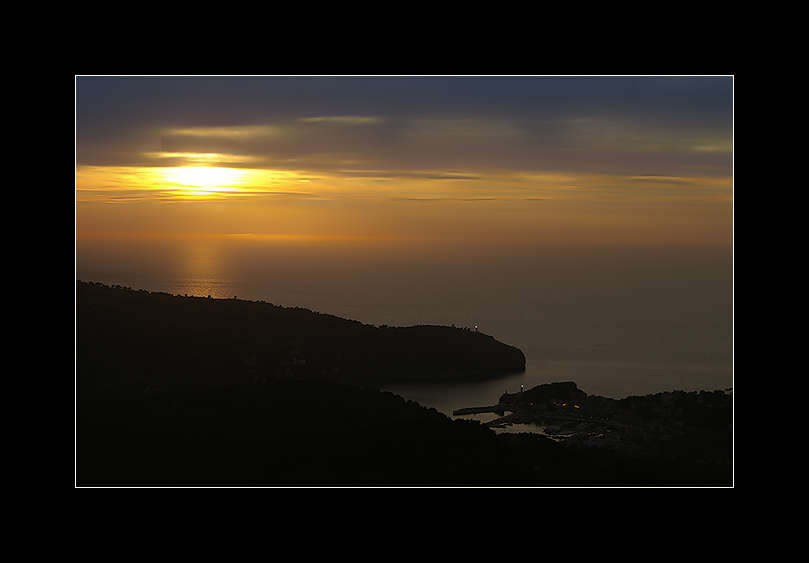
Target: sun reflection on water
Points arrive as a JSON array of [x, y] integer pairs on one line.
[[201, 271]]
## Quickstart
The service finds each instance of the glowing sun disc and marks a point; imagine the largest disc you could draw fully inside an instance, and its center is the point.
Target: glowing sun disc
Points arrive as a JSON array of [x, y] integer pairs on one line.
[[205, 177]]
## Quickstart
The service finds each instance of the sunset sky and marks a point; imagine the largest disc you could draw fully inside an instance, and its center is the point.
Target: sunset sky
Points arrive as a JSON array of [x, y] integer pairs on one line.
[[522, 157]]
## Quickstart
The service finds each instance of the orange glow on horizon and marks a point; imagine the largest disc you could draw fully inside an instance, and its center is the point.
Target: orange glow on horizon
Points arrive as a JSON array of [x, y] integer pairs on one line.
[[201, 180], [449, 205], [553, 159]]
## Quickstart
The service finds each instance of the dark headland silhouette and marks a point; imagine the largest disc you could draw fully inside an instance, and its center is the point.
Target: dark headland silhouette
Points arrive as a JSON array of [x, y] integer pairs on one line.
[[129, 340], [189, 391]]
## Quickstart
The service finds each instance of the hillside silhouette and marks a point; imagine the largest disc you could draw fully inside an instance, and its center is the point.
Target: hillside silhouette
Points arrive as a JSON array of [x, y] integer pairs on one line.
[[182, 391], [128, 341]]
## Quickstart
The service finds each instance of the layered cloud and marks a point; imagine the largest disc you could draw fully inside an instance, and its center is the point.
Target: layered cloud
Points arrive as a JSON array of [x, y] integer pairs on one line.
[[460, 144], [407, 140]]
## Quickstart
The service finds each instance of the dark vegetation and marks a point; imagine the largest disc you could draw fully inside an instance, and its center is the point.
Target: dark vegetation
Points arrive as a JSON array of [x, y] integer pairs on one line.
[[177, 391]]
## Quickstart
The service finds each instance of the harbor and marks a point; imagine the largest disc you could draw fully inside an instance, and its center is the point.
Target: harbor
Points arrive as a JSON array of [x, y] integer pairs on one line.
[[559, 411], [562, 425]]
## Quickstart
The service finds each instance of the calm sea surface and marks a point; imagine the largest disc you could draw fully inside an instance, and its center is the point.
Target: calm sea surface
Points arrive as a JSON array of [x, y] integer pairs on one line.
[[618, 320]]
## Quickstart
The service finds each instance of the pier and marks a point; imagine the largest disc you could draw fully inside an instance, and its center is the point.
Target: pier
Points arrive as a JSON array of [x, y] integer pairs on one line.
[[496, 409]]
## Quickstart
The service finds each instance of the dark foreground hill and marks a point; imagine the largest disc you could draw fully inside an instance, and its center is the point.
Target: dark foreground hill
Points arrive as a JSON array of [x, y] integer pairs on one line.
[[195, 392], [287, 433], [315, 433]]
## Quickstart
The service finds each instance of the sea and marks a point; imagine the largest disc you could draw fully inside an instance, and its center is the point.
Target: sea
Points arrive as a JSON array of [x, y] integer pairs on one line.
[[617, 318]]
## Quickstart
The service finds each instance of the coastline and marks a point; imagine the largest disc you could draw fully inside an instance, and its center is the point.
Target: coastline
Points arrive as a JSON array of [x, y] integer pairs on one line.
[[171, 391]]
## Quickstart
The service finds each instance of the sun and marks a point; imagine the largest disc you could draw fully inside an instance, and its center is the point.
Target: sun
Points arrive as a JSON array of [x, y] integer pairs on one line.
[[205, 180]]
